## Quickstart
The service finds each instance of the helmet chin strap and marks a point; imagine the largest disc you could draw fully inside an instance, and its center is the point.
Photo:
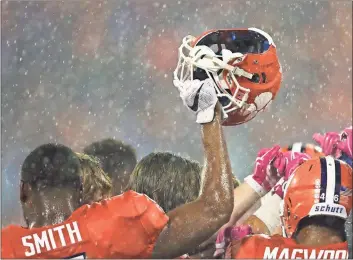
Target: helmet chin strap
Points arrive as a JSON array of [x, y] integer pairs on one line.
[[227, 55], [281, 209], [234, 71], [241, 73], [284, 234]]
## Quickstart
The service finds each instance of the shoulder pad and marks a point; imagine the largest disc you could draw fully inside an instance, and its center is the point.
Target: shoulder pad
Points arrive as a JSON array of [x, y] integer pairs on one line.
[[129, 204]]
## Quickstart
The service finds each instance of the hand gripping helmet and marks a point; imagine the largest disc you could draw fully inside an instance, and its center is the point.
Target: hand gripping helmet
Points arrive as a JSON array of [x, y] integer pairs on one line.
[[319, 187], [243, 65]]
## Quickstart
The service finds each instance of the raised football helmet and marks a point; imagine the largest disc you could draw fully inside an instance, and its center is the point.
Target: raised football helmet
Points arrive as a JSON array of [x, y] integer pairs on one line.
[[310, 149], [320, 186], [243, 65]]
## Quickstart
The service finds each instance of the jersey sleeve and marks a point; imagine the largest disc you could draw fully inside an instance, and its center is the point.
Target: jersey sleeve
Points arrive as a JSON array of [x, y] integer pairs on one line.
[[6, 247], [154, 219], [134, 227]]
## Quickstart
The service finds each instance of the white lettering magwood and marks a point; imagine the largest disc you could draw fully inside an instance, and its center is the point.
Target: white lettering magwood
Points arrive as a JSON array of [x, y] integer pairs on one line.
[[296, 253], [36, 242]]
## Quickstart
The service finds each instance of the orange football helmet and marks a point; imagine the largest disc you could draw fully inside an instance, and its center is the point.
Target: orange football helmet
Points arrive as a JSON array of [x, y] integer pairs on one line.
[[320, 186], [310, 149], [243, 64]]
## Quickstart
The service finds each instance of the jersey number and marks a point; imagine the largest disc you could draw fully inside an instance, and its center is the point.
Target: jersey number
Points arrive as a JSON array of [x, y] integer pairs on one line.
[[77, 256], [335, 198]]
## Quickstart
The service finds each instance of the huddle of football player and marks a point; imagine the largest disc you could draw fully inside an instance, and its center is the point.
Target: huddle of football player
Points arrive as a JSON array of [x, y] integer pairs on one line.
[[293, 204]]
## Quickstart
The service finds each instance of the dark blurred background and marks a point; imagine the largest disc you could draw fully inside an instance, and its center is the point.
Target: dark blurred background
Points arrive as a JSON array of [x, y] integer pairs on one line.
[[74, 72]]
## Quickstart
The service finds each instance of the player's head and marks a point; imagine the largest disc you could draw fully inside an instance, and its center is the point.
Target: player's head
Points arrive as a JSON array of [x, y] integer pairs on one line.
[[118, 161], [318, 193], [243, 65], [168, 179], [312, 150], [96, 183], [51, 186]]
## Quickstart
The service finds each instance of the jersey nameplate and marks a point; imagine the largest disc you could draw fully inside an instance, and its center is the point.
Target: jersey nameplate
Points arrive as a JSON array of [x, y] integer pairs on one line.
[[68, 234], [295, 253]]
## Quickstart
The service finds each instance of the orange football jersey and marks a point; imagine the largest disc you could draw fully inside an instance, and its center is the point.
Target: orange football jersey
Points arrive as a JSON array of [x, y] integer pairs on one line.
[[278, 247], [125, 226]]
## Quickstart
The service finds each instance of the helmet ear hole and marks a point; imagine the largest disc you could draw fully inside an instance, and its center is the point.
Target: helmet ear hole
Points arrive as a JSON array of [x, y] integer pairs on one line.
[[255, 78]]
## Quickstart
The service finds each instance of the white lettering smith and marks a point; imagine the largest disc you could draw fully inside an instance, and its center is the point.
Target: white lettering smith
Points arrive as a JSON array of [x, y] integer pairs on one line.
[[36, 242]]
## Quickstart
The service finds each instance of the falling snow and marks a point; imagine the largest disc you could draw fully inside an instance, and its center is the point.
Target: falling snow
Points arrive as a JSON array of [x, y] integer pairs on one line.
[[75, 72]]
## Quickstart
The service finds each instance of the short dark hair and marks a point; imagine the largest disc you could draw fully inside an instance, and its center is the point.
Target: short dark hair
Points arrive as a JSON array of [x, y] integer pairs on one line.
[[167, 178], [52, 165], [116, 157], [333, 223]]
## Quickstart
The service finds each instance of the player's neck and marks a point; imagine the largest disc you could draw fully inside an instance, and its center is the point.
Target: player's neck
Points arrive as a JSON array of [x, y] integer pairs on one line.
[[48, 219], [53, 211], [318, 236], [118, 187]]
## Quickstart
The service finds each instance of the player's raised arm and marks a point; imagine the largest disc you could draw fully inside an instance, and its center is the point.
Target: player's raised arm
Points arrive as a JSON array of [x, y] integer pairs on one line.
[[190, 224], [248, 193]]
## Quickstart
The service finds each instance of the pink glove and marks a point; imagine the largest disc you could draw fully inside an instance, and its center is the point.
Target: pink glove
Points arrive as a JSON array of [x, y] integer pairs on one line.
[[288, 162], [346, 141], [279, 188], [286, 165], [264, 177], [226, 235], [328, 142]]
